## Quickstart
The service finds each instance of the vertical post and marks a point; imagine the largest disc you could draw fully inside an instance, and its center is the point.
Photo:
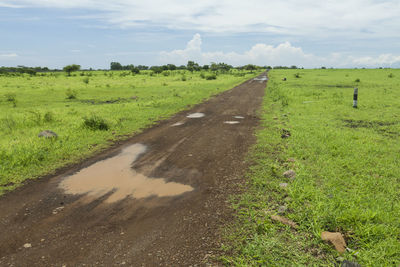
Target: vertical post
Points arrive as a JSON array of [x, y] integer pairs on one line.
[[355, 96]]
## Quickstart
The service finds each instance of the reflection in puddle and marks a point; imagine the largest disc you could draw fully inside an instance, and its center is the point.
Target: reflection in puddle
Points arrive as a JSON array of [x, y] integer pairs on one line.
[[231, 122], [195, 115], [116, 175], [178, 123], [238, 117]]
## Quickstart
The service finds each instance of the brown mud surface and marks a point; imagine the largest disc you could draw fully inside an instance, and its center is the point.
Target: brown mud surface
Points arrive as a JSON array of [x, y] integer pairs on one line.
[[157, 199]]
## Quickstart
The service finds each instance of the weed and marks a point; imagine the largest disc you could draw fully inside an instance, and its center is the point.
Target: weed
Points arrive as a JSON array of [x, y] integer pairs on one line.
[[95, 122], [391, 75], [11, 97], [71, 94], [211, 76], [357, 80], [48, 116], [86, 80], [183, 78]]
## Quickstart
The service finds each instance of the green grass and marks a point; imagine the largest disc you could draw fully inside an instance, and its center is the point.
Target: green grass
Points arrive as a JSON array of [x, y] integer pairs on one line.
[[348, 171], [88, 111]]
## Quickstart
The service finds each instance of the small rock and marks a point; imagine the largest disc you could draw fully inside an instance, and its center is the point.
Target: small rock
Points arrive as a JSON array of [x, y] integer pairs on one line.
[[47, 134], [283, 185], [27, 245], [284, 220], [42, 240], [347, 263], [291, 160], [57, 210], [282, 209], [289, 174], [335, 239]]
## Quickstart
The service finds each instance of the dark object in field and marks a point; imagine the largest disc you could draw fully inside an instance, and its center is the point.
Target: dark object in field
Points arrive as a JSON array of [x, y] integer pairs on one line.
[[336, 239], [47, 134], [284, 79], [347, 263], [285, 133], [355, 97]]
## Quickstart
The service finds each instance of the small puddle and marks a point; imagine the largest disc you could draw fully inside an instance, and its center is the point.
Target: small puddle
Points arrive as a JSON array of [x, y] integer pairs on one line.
[[195, 115], [231, 122], [178, 124], [117, 176], [238, 117], [261, 79]]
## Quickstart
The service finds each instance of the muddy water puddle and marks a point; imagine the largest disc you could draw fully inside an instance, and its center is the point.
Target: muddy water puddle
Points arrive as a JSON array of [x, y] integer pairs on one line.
[[116, 177], [178, 124], [195, 115]]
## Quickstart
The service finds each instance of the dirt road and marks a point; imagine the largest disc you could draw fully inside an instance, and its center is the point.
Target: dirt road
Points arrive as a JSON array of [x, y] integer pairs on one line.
[[159, 198]]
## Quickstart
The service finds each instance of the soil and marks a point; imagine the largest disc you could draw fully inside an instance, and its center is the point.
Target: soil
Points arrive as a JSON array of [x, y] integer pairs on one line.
[[157, 199]]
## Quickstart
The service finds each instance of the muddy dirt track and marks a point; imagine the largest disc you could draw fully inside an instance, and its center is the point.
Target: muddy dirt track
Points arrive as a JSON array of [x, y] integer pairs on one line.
[[159, 198]]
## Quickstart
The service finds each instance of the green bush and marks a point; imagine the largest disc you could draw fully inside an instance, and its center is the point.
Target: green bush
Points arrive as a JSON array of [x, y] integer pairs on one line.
[[357, 80], [71, 94], [86, 80], [11, 97], [95, 122], [211, 76]]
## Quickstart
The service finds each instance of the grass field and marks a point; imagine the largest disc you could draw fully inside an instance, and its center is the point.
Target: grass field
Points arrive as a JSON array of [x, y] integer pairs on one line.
[[88, 111], [347, 164]]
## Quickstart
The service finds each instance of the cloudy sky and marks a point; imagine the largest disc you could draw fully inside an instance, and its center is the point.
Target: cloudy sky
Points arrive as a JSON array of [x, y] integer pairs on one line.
[[92, 33]]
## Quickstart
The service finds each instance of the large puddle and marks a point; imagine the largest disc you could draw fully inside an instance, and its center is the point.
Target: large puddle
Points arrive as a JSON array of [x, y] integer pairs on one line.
[[116, 176]]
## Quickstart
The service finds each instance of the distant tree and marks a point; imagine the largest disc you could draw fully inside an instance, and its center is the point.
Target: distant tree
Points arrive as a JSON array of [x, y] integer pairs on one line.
[[206, 67], [156, 69], [142, 67], [135, 70], [192, 66], [115, 66], [171, 67], [293, 67], [250, 67], [70, 68]]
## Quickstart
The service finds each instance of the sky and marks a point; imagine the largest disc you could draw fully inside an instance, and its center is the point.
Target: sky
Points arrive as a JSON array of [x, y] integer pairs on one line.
[[93, 33]]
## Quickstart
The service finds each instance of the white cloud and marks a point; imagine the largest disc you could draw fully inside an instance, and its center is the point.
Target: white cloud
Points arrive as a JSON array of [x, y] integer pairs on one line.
[[284, 54], [350, 18], [10, 55]]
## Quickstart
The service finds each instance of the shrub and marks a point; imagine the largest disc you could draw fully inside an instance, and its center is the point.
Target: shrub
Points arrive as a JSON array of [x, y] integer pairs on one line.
[[391, 75], [357, 80], [95, 122], [71, 94], [48, 116], [202, 75], [11, 97], [86, 80], [211, 76], [166, 73], [297, 75], [183, 78]]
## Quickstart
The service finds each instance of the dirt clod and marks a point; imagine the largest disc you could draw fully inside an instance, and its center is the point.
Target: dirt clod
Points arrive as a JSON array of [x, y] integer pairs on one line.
[[284, 220], [47, 134], [335, 239], [289, 174]]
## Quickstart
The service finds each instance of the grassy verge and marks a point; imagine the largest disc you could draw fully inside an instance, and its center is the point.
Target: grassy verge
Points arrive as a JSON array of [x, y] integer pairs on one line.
[[347, 168], [88, 111]]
